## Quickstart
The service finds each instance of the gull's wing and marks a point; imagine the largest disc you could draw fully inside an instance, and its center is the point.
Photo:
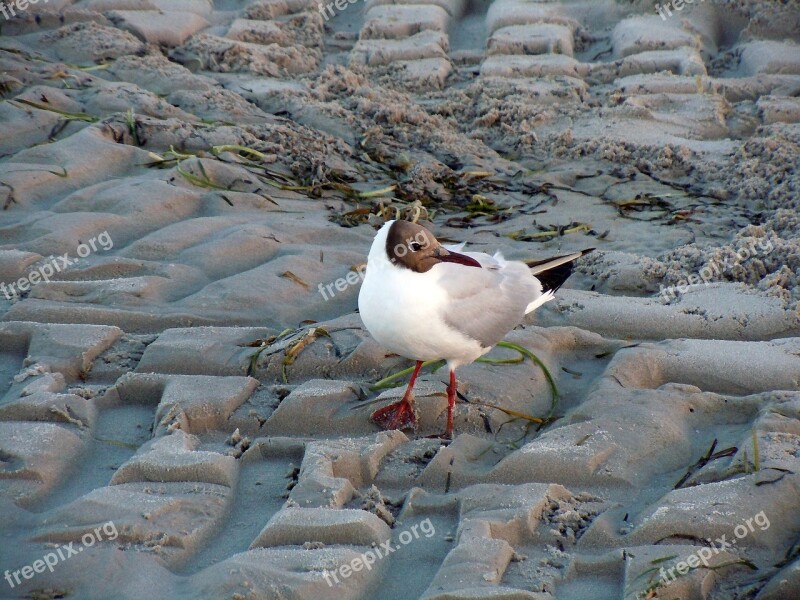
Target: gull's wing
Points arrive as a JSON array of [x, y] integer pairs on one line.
[[485, 304], [553, 272]]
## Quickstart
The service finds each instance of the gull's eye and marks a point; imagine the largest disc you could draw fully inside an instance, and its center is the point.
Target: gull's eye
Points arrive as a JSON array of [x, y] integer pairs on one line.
[[415, 247]]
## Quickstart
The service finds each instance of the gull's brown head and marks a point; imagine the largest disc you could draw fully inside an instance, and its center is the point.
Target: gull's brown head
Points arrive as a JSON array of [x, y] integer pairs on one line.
[[411, 246]]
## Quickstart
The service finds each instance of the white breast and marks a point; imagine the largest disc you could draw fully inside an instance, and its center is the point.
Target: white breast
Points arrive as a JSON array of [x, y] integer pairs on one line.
[[403, 311]]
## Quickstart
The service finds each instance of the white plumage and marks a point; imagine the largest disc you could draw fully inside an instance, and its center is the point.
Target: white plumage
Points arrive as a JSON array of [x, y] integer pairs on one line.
[[428, 302]]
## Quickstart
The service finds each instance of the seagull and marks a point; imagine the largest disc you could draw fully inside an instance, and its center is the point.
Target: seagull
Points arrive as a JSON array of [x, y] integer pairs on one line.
[[425, 301]]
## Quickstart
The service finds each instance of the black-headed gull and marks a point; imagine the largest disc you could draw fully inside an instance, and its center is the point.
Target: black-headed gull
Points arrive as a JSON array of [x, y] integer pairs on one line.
[[425, 301]]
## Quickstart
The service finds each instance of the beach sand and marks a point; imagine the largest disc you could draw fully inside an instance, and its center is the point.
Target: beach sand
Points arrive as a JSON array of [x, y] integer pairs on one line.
[[189, 189]]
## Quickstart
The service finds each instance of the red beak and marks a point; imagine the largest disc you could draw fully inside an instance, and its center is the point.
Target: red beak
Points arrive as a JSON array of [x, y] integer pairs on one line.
[[455, 257]]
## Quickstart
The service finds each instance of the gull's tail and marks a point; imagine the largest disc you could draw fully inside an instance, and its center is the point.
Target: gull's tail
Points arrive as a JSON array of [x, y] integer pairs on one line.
[[553, 272]]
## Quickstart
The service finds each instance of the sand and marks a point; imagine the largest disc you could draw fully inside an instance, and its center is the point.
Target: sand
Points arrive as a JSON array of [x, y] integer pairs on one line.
[[188, 189]]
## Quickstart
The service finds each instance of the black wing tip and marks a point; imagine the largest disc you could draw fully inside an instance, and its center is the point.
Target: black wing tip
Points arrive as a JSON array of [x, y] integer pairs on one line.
[[553, 279]]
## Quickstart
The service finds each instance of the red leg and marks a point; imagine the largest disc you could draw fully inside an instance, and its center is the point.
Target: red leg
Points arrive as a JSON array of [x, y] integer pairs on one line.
[[399, 415], [451, 404], [452, 390]]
